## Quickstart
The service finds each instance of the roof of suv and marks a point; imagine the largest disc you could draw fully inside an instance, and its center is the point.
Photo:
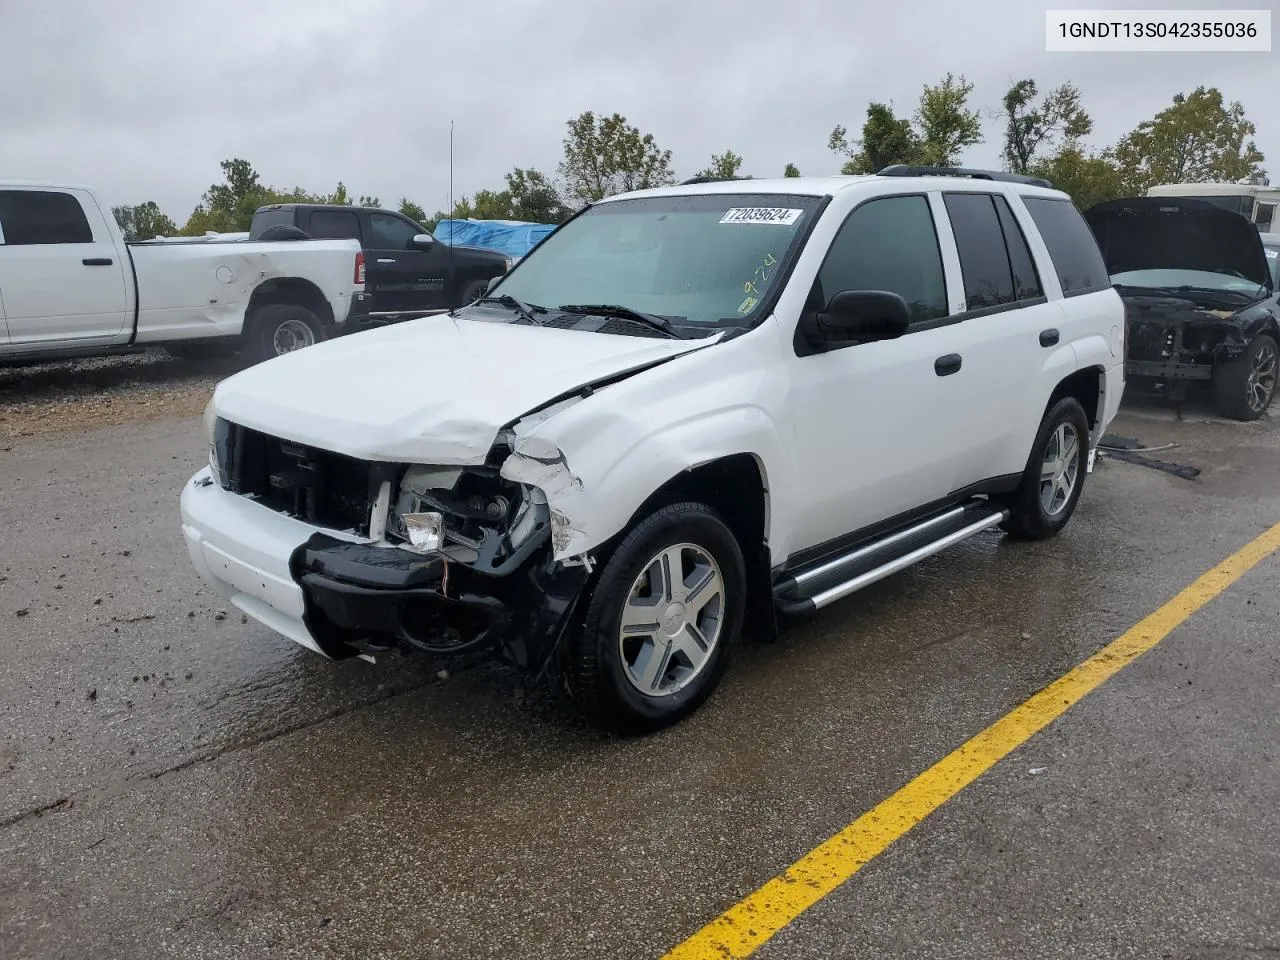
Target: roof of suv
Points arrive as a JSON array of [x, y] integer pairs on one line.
[[830, 186]]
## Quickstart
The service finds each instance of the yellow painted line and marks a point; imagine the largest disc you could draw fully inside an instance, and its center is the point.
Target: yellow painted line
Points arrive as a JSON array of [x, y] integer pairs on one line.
[[746, 926]]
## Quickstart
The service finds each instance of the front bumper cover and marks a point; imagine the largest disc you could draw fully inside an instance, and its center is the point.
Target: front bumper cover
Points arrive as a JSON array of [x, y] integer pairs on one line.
[[362, 592]]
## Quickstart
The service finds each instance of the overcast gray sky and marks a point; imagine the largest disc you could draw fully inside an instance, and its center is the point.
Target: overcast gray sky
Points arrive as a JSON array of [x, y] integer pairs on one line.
[[143, 98]]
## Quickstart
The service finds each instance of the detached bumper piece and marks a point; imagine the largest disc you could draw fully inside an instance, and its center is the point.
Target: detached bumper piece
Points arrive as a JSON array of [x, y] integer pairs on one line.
[[357, 594]]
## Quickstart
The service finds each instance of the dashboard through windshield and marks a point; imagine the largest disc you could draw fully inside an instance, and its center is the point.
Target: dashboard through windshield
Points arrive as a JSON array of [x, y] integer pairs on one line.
[[698, 260]]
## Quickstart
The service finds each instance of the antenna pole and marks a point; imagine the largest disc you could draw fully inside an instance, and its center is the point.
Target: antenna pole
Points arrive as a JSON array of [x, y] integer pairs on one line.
[[451, 208]]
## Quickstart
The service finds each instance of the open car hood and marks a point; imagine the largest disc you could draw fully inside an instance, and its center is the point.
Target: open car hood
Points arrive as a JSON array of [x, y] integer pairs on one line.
[[1177, 233]]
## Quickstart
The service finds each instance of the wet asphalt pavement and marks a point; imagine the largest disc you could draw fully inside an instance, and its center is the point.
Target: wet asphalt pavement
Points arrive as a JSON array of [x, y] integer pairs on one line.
[[175, 782]]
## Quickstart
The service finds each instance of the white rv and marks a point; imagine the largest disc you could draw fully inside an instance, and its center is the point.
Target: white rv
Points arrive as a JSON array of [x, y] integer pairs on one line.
[[1251, 200]]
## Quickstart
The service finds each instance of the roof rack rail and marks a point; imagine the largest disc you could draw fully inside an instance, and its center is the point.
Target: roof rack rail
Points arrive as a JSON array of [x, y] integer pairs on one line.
[[915, 170], [684, 183]]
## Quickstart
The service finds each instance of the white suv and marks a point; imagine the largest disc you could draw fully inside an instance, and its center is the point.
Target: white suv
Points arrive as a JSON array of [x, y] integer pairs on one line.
[[689, 407]]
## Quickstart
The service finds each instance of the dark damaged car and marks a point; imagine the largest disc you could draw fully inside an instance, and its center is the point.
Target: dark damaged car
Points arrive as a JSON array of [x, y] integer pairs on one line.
[[1200, 299]]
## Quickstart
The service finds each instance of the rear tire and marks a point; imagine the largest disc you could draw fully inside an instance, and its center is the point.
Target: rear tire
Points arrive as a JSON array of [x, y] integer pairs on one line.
[[1054, 476], [1244, 388], [634, 675], [279, 328]]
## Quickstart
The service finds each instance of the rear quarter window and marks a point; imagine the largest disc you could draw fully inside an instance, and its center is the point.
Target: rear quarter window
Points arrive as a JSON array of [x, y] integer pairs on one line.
[[1072, 246]]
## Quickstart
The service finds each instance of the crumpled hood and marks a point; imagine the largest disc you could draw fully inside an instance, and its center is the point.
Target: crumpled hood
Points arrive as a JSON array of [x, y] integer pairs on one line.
[[1177, 233], [431, 390]]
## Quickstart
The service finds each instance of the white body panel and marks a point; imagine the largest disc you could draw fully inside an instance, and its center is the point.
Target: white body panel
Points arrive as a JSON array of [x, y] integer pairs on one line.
[[105, 293], [842, 440], [202, 289], [69, 292]]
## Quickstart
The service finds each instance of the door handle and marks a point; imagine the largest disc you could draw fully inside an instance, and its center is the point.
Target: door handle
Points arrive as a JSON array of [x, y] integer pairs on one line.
[[945, 366], [96, 261], [1048, 337], [387, 260]]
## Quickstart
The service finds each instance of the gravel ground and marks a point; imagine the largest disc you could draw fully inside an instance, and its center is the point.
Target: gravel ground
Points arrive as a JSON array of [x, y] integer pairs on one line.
[[53, 398]]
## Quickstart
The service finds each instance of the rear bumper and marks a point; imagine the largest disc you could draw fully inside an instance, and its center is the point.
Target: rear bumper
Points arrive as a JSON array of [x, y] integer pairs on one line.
[[358, 318], [334, 594]]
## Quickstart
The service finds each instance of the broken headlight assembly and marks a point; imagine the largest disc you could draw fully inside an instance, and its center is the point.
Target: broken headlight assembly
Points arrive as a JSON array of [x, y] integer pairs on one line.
[[470, 515]]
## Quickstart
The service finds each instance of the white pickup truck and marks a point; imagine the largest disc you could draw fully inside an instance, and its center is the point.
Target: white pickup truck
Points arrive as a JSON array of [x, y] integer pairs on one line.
[[71, 286]]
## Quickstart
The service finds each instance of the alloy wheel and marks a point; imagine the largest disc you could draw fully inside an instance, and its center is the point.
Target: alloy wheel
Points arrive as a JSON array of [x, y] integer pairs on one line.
[[671, 620], [1060, 469]]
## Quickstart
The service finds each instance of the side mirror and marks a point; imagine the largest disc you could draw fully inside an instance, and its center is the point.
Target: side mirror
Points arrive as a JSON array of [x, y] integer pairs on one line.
[[422, 240], [493, 282], [859, 316]]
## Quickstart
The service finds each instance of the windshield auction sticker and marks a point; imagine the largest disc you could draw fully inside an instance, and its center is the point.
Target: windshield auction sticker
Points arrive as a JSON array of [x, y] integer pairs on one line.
[[779, 215]]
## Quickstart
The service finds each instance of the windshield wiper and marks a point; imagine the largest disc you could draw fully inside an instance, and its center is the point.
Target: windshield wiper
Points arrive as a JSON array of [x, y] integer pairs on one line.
[[621, 312], [525, 311]]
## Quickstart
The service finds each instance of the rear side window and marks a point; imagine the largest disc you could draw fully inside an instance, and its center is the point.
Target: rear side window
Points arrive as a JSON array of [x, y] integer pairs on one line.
[[334, 225], [42, 216], [1026, 280], [269, 218], [889, 244], [1071, 243], [984, 261]]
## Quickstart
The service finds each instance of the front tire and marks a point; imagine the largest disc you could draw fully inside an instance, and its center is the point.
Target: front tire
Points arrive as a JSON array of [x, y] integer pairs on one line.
[[1244, 388], [661, 622], [1054, 476], [473, 291], [279, 328]]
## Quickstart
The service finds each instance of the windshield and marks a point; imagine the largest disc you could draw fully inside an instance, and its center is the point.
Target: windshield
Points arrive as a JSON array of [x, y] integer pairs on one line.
[[1199, 279], [709, 259], [1273, 261]]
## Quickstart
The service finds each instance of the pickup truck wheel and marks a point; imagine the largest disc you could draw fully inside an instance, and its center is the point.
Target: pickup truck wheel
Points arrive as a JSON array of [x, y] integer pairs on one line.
[[473, 291], [661, 621], [1054, 477], [279, 328], [1244, 388]]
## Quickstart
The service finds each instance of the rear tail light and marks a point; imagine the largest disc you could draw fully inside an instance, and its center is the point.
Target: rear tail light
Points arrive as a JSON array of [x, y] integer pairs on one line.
[[360, 267]]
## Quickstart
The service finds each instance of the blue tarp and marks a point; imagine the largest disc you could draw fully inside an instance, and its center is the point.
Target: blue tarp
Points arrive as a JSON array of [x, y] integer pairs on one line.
[[512, 237]]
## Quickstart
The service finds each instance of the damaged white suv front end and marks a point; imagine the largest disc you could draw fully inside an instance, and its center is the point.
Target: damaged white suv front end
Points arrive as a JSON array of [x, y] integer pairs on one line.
[[336, 518]]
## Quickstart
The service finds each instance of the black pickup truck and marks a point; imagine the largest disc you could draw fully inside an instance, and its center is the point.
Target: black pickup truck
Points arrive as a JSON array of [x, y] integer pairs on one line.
[[407, 271]]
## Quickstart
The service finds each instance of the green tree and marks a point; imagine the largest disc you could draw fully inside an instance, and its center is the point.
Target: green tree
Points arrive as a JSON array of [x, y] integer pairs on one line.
[[791, 171], [1030, 126], [534, 198], [340, 195], [723, 166], [529, 196], [945, 123], [1199, 138], [1088, 177], [492, 205], [413, 211], [228, 207], [606, 155], [886, 139], [144, 221]]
